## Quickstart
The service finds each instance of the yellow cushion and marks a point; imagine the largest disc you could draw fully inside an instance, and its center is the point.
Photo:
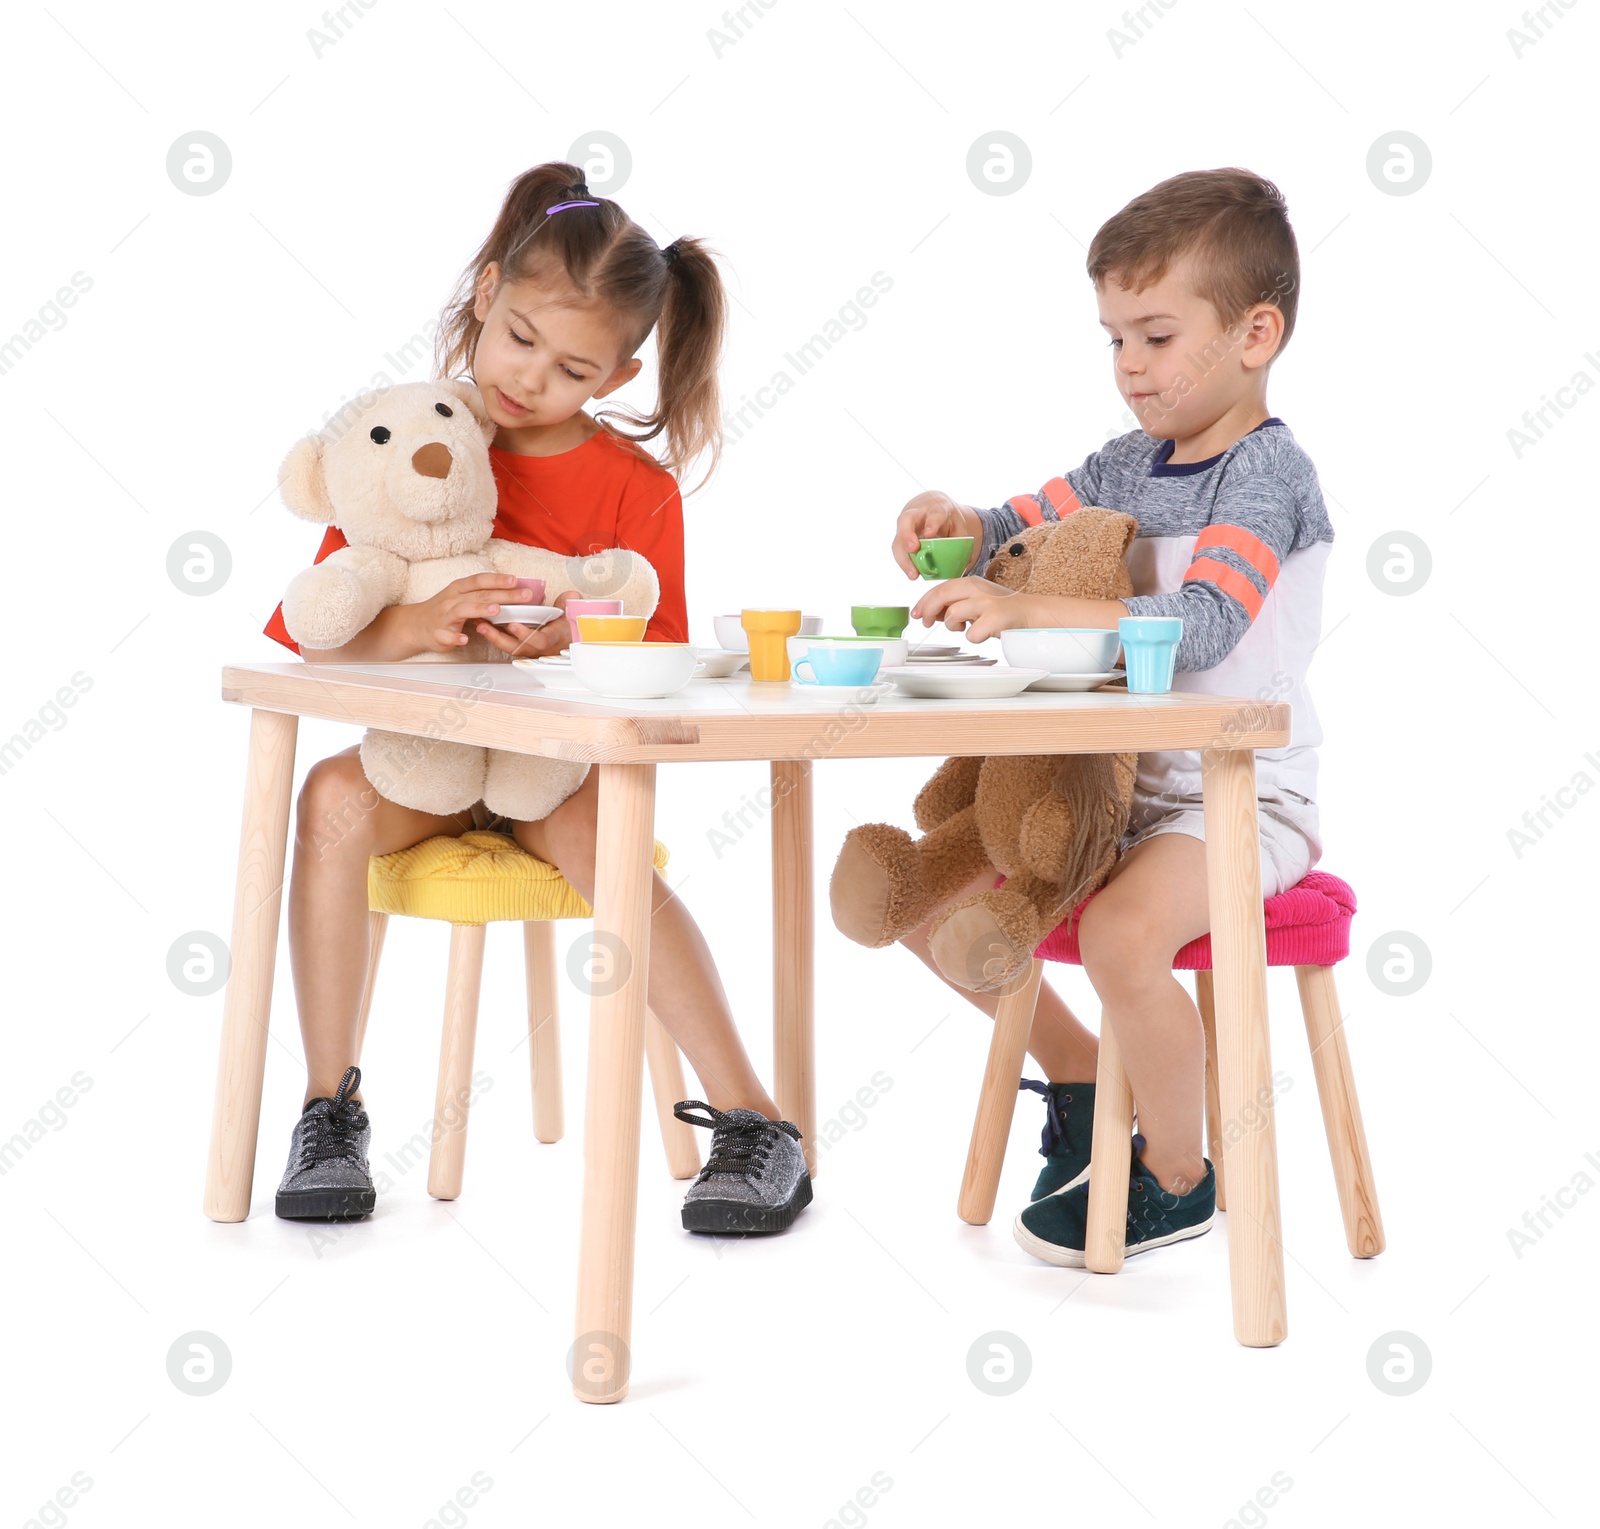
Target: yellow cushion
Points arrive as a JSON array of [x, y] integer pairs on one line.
[[475, 879]]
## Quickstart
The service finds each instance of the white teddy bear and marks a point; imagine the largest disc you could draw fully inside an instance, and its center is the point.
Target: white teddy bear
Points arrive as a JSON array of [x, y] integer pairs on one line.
[[404, 474]]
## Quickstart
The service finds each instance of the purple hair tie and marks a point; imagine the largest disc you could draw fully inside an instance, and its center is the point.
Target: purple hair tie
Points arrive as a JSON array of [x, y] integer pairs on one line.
[[562, 206]]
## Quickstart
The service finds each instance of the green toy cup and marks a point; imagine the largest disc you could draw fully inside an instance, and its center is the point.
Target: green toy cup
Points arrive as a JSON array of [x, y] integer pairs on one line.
[[880, 620], [942, 557]]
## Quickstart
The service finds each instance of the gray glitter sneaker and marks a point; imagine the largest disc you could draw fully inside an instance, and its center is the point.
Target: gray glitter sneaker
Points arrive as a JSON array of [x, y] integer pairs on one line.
[[755, 1179], [327, 1178]]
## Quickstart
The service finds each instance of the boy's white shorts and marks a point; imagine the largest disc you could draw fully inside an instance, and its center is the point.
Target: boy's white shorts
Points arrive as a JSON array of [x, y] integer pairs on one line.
[[1291, 842]]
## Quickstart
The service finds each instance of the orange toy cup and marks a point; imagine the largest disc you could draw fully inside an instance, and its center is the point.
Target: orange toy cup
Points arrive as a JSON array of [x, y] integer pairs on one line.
[[768, 631], [611, 628]]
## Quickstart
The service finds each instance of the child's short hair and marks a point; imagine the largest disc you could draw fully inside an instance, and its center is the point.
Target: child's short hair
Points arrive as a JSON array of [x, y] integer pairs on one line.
[[1234, 223]]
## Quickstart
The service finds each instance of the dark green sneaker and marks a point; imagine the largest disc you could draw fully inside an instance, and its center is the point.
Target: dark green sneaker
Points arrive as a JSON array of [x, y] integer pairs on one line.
[[1064, 1142], [1067, 1136], [1054, 1228]]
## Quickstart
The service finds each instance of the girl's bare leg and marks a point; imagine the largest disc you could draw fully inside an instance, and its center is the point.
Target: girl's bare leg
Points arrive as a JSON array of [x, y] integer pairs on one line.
[[1153, 905], [340, 822], [1058, 1042], [684, 989]]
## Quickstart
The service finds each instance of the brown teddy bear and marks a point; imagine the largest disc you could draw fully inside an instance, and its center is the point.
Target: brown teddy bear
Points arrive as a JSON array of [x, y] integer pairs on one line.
[[1052, 824]]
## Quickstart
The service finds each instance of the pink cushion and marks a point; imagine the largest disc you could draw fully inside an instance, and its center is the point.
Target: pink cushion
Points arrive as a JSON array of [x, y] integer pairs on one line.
[[1309, 925]]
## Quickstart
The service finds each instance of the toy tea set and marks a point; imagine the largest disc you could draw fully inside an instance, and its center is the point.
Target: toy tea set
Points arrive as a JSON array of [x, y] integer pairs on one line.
[[609, 655]]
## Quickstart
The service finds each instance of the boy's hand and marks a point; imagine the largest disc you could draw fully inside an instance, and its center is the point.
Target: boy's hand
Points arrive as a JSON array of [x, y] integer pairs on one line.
[[983, 609], [533, 641], [435, 624], [932, 514]]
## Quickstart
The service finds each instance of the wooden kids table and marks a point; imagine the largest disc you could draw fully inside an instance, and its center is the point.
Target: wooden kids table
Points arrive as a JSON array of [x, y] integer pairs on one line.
[[504, 706]]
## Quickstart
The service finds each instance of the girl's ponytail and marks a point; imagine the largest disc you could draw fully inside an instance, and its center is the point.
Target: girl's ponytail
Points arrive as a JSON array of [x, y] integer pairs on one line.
[[608, 259], [688, 348]]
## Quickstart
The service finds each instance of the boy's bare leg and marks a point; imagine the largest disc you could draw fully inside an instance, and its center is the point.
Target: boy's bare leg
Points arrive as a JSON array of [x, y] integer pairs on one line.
[[1058, 1042], [684, 989], [340, 822], [1155, 903]]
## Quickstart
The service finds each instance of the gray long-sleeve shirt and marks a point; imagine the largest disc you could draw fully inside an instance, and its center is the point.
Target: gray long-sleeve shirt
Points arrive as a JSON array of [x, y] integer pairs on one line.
[[1213, 535]]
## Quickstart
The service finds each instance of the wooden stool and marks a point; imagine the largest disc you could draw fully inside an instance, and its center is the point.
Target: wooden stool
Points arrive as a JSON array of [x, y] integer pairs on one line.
[[470, 882], [1308, 928]]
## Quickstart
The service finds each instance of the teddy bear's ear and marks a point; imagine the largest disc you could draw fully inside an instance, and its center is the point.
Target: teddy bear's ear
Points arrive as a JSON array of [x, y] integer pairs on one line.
[[301, 483], [473, 399], [1111, 530], [1126, 529]]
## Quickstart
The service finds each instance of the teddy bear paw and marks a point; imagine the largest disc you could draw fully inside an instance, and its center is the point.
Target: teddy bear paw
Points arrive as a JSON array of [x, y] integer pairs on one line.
[[986, 943], [527, 788], [877, 889]]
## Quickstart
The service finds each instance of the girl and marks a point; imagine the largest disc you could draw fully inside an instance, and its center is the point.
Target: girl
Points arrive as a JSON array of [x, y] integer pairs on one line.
[[549, 314]]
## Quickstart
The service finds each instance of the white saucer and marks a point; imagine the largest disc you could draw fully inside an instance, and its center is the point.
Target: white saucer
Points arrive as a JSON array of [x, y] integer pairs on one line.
[[721, 662], [968, 683], [1074, 681], [557, 674], [950, 658], [841, 695], [933, 649], [528, 615]]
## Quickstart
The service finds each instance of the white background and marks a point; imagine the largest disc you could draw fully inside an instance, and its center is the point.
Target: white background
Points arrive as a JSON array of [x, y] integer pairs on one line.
[[371, 1378]]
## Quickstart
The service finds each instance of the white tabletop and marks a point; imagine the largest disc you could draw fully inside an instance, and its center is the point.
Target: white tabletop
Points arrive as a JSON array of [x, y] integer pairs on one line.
[[703, 696], [503, 706]]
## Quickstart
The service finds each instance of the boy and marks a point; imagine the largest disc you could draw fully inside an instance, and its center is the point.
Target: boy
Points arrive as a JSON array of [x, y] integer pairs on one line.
[[1197, 282]]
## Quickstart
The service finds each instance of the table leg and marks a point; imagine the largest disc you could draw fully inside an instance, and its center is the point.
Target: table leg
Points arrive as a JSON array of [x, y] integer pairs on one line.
[[252, 954], [793, 918], [1244, 1056], [624, 859]]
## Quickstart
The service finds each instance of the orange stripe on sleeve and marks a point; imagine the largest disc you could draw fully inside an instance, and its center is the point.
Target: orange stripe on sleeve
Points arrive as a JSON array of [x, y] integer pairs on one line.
[[1252, 549], [1062, 500], [1028, 508], [1230, 581]]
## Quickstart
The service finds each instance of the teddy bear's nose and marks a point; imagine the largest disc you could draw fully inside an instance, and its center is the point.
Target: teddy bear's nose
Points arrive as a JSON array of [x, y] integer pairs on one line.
[[432, 460]]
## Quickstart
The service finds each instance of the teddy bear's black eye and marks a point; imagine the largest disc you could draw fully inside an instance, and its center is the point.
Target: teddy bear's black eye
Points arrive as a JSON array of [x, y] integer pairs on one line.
[[444, 409], [380, 434], [1017, 549]]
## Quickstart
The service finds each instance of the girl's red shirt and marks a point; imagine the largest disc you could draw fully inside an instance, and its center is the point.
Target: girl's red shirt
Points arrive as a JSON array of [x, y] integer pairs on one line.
[[601, 494]]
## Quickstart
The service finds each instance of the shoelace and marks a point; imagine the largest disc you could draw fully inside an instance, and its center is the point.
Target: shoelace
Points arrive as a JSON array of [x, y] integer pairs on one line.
[[739, 1148], [1055, 1131], [333, 1131]]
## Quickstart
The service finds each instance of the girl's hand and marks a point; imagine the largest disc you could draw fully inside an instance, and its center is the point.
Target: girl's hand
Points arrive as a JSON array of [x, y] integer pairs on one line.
[[932, 514], [981, 608], [436, 624], [532, 641]]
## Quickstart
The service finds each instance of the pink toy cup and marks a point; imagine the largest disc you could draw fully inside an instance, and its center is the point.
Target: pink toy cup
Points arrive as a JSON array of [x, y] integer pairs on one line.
[[532, 591], [576, 608]]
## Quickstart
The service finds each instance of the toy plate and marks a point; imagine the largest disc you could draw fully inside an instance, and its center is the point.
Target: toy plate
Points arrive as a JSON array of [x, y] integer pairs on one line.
[[1075, 681], [528, 615], [968, 683]]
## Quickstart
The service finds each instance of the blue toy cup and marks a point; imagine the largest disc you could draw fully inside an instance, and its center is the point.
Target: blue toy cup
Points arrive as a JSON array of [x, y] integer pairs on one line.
[[1150, 651], [849, 664]]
